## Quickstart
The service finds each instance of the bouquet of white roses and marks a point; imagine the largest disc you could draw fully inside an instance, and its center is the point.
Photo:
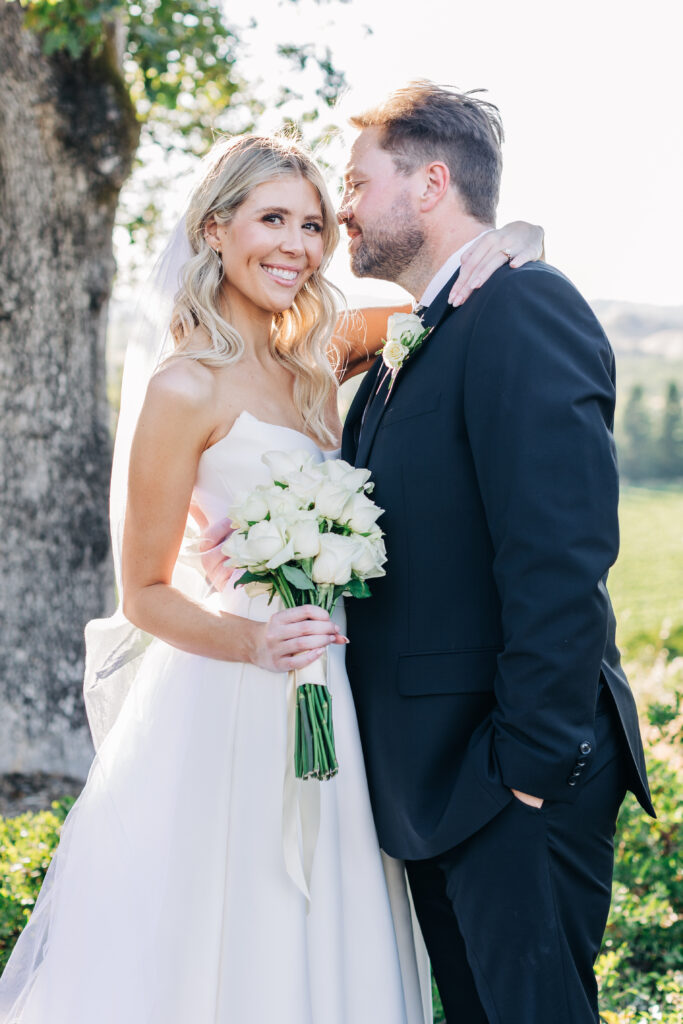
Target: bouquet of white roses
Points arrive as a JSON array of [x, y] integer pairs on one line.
[[309, 537]]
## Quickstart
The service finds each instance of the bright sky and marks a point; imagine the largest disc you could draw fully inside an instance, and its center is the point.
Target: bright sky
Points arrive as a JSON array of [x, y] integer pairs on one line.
[[591, 95]]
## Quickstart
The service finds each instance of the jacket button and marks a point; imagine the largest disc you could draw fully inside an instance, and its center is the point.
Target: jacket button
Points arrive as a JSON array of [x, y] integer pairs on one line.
[[585, 748], [571, 781], [575, 774], [580, 764]]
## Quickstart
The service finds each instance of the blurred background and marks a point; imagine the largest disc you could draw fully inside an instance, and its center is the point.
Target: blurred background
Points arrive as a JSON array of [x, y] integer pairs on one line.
[[106, 107]]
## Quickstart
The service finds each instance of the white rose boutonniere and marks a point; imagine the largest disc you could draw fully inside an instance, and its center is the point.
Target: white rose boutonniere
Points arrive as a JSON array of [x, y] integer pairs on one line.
[[405, 335]]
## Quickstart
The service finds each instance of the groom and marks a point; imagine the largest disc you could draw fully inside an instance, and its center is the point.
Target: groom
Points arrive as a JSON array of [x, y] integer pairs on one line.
[[499, 730]]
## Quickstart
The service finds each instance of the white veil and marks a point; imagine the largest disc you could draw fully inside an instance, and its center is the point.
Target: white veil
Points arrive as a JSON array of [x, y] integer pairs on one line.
[[113, 646]]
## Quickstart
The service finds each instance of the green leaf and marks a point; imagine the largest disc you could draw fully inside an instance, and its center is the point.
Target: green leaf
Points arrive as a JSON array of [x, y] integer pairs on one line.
[[357, 588], [297, 577], [253, 577]]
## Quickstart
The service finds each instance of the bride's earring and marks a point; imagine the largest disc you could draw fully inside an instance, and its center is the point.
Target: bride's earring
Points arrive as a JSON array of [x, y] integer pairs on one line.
[[220, 260]]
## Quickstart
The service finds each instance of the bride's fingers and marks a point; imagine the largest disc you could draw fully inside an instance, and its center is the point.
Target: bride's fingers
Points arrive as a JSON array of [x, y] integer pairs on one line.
[[527, 255], [475, 276], [283, 631], [304, 643], [300, 660]]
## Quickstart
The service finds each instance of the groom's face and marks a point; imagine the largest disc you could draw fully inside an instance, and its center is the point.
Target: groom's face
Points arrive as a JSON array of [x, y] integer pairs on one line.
[[380, 212]]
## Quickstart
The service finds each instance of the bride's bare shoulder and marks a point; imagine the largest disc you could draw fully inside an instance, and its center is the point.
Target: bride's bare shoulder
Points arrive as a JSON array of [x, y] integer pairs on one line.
[[181, 401], [183, 379]]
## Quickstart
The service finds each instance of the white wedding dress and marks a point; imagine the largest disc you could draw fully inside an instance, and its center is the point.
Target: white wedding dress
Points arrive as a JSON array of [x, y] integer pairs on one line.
[[168, 901]]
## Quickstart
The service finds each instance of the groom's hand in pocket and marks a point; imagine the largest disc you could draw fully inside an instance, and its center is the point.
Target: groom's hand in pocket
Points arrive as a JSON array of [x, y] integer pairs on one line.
[[526, 798]]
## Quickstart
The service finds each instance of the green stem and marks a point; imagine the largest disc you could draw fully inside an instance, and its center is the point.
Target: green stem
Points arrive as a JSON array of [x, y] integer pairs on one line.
[[278, 590], [314, 729], [285, 590], [324, 701]]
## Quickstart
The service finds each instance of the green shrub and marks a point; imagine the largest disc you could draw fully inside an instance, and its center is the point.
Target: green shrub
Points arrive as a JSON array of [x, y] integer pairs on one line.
[[640, 969], [26, 847]]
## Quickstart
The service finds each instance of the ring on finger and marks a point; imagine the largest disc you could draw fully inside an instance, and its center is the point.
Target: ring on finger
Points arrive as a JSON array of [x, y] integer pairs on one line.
[[507, 253]]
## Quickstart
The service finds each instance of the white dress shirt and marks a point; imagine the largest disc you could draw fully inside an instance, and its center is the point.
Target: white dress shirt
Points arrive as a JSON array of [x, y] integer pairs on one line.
[[447, 270]]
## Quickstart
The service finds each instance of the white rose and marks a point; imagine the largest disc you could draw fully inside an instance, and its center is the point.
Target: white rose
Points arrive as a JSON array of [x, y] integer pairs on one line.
[[400, 324], [267, 544], [305, 536], [236, 548], [370, 558], [282, 504], [281, 464], [333, 564], [341, 472], [360, 513], [331, 498], [251, 510], [305, 484], [393, 354]]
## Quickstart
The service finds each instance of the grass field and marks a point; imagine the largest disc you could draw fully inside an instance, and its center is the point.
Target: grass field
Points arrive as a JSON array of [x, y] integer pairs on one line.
[[646, 584]]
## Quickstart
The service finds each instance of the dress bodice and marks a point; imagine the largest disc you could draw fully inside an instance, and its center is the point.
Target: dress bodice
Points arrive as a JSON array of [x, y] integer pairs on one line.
[[232, 467]]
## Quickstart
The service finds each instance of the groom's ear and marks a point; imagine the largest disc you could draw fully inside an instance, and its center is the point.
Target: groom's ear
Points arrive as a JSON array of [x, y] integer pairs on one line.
[[435, 185]]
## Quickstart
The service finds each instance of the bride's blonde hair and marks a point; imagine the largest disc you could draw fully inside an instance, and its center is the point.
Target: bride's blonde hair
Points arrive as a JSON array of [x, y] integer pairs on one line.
[[301, 334]]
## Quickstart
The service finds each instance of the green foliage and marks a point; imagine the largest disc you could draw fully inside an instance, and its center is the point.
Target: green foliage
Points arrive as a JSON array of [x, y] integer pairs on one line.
[[670, 448], [651, 449], [74, 26], [641, 965], [637, 449], [27, 844], [178, 56]]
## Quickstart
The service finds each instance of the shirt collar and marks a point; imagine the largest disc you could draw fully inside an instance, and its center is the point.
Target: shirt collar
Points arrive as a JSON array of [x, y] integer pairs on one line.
[[447, 270]]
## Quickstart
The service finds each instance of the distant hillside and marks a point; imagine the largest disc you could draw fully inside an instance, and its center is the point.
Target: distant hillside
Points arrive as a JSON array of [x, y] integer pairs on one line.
[[636, 329]]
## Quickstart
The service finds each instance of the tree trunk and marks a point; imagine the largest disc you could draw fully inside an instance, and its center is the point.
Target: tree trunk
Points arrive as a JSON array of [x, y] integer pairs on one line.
[[68, 134]]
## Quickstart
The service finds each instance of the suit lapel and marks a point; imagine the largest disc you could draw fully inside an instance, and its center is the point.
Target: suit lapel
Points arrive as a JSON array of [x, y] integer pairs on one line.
[[375, 410], [354, 418], [433, 317]]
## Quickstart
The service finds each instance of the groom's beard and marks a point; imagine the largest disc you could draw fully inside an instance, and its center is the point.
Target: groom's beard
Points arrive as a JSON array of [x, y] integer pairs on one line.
[[388, 248]]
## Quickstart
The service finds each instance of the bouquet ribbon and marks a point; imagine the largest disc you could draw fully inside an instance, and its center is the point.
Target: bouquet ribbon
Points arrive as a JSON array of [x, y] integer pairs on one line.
[[301, 801]]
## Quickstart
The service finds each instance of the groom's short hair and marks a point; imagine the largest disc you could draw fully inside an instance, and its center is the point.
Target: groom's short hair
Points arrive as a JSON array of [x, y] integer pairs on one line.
[[423, 121]]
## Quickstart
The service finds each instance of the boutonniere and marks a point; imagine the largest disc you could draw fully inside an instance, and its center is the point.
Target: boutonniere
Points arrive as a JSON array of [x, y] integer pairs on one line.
[[405, 334]]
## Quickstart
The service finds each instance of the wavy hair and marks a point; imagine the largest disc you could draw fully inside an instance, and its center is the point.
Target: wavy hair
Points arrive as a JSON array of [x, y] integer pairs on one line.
[[301, 334]]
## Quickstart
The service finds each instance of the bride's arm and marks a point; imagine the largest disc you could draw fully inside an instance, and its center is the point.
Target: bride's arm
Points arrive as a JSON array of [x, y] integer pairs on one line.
[[359, 333], [170, 437]]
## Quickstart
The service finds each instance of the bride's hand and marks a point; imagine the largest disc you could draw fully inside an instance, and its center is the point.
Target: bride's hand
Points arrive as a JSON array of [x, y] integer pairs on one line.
[[523, 242], [294, 638]]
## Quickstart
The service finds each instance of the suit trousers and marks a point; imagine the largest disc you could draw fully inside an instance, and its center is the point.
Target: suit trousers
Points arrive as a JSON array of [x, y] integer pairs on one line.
[[514, 916]]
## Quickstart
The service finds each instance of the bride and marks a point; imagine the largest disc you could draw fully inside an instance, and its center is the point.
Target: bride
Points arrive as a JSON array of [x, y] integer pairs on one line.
[[169, 898]]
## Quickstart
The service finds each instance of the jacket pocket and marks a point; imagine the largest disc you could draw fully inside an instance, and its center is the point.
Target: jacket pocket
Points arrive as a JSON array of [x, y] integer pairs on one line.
[[470, 670], [418, 406]]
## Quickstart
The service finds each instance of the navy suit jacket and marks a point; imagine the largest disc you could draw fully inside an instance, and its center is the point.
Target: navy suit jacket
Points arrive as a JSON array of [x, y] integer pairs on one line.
[[475, 665]]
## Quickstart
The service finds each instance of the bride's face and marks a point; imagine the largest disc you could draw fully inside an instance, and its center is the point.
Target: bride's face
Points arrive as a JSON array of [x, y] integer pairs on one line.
[[272, 245]]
